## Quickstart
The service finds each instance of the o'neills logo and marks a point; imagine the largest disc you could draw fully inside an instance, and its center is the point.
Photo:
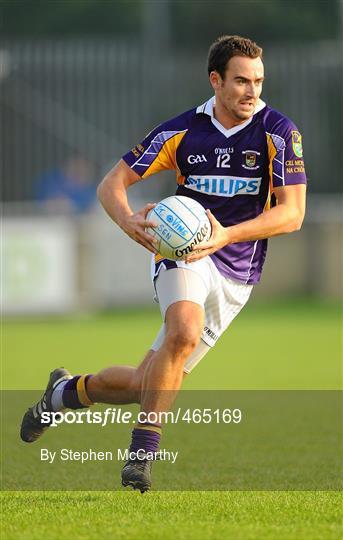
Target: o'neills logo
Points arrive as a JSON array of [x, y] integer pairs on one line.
[[200, 236]]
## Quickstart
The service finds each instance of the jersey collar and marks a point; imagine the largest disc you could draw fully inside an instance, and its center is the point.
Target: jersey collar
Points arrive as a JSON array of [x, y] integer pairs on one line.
[[207, 108]]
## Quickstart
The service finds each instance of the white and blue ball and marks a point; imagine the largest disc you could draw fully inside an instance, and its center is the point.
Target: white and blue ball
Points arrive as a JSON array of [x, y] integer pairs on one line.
[[182, 224]]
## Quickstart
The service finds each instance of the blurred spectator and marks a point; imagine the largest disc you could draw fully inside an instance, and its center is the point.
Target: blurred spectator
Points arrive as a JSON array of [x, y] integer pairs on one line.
[[70, 188]]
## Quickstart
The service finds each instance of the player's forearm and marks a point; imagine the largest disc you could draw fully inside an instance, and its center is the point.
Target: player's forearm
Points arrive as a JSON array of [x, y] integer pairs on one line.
[[113, 197], [281, 219]]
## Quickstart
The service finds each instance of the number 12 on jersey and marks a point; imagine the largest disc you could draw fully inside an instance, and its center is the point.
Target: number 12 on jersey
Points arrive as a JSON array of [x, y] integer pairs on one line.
[[223, 160]]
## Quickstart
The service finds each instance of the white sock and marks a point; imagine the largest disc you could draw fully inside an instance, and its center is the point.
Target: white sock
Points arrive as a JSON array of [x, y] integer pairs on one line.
[[56, 398]]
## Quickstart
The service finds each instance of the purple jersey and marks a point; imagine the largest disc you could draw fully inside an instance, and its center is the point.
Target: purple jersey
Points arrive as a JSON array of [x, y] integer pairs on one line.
[[230, 171]]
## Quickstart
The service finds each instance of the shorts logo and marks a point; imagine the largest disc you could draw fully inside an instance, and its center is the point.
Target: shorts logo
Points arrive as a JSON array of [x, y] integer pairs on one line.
[[250, 159], [210, 333], [297, 144], [196, 159], [224, 186]]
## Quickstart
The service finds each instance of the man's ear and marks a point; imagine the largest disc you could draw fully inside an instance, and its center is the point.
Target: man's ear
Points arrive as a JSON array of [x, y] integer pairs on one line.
[[215, 80]]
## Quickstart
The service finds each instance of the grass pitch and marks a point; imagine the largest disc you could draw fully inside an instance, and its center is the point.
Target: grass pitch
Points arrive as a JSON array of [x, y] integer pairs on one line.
[[293, 345], [170, 515]]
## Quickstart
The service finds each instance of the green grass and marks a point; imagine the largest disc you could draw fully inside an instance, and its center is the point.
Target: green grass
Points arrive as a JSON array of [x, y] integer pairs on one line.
[[170, 515], [293, 345]]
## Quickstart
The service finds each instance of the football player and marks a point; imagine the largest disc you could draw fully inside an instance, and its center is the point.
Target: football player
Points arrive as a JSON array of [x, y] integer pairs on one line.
[[242, 161]]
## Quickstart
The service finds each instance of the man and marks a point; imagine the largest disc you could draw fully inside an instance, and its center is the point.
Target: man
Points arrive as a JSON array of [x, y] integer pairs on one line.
[[242, 161]]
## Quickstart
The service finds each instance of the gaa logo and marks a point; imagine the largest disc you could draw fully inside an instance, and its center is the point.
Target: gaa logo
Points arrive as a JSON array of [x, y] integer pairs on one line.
[[196, 159]]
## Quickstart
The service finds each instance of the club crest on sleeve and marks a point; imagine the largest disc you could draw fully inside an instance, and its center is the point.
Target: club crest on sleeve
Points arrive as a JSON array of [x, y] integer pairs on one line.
[[297, 144]]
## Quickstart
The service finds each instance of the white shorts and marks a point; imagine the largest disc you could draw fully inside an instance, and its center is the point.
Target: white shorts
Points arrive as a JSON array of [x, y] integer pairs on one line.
[[200, 282]]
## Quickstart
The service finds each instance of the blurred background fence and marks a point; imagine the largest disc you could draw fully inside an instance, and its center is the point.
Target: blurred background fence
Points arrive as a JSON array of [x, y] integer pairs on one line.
[[97, 98], [71, 105]]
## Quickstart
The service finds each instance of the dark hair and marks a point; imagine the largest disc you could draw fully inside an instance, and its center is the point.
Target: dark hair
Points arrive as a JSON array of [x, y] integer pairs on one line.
[[225, 47]]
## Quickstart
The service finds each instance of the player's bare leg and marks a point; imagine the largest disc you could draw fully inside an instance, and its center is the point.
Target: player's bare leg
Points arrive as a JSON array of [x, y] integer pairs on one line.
[[114, 385], [118, 384], [162, 380], [163, 376]]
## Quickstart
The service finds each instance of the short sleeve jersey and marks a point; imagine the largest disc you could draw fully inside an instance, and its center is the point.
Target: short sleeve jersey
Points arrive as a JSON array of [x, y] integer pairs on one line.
[[233, 172]]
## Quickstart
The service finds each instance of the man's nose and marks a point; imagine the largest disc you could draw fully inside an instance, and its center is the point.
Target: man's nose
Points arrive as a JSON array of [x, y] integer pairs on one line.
[[251, 90]]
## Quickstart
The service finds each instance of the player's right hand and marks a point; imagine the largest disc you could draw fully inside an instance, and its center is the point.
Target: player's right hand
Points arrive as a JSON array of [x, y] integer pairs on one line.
[[135, 226]]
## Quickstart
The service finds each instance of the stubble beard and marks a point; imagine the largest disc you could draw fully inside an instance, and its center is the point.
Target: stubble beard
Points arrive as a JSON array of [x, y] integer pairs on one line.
[[240, 116]]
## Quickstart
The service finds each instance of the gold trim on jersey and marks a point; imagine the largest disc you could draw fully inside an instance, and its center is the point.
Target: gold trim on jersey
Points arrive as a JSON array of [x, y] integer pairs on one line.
[[271, 154], [166, 158]]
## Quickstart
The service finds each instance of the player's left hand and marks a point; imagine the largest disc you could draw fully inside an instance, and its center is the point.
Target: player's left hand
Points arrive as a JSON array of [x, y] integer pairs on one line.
[[219, 238]]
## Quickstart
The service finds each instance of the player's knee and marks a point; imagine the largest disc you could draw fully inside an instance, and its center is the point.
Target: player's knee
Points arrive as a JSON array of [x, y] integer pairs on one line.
[[182, 341]]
